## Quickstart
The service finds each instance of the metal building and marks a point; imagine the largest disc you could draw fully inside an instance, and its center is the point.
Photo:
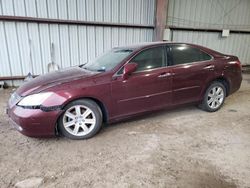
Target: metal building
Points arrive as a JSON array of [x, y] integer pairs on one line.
[[34, 33], [202, 22]]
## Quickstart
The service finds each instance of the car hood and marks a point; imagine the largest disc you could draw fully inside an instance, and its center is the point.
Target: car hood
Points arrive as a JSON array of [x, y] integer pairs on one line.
[[46, 81]]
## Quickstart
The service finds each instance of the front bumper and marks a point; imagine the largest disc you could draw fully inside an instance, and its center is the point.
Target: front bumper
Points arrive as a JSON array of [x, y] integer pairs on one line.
[[34, 122]]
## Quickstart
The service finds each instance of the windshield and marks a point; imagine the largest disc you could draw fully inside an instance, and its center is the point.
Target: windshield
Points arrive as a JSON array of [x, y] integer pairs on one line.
[[108, 60]]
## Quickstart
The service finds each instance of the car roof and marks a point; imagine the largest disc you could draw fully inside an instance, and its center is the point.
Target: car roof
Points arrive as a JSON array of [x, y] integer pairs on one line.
[[149, 44], [142, 45]]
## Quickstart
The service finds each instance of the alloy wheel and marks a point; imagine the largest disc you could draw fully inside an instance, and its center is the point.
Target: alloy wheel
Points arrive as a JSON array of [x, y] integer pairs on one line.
[[79, 120], [215, 97]]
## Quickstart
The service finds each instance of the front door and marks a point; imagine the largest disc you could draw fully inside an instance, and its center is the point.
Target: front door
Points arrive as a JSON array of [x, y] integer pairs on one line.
[[146, 89]]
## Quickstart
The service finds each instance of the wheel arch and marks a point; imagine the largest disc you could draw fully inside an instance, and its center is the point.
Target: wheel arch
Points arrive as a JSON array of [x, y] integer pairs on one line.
[[102, 107], [98, 102], [220, 79], [225, 82]]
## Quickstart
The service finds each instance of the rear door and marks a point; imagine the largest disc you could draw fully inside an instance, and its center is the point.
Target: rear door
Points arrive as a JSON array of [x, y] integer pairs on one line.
[[146, 89], [191, 68]]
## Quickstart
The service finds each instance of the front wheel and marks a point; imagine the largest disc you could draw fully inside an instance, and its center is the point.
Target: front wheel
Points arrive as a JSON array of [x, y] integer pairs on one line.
[[81, 119], [214, 97]]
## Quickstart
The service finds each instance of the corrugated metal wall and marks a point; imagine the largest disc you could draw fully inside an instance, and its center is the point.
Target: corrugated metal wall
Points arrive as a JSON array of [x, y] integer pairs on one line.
[[235, 44], [73, 44], [117, 11], [219, 14], [213, 14]]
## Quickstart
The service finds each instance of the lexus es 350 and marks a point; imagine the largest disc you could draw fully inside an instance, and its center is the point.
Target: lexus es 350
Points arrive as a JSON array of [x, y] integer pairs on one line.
[[124, 82]]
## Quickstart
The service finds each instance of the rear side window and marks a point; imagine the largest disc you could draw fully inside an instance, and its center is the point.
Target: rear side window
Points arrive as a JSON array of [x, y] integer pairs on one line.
[[150, 59], [182, 54]]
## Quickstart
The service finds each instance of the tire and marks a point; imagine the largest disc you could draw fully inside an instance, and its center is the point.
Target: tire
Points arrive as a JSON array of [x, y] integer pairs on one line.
[[82, 119], [214, 97]]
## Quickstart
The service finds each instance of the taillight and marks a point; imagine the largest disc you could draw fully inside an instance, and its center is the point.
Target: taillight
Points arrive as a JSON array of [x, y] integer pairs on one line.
[[236, 63], [239, 64]]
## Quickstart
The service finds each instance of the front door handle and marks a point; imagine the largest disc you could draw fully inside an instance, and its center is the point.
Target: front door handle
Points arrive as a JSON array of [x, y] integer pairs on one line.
[[165, 74], [209, 67]]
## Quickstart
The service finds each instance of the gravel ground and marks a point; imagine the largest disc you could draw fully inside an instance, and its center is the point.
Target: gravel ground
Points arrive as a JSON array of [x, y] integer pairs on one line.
[[185, 147]]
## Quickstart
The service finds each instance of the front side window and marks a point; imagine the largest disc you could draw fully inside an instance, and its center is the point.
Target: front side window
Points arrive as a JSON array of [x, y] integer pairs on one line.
[[182, 54], [150, 59]]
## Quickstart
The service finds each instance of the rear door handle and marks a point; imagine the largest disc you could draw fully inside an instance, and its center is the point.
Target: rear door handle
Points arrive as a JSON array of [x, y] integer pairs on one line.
[[209, 67], [165, 74]]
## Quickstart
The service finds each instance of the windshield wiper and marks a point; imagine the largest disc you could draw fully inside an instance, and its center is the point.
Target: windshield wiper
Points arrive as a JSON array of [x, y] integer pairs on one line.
[[101, 70], [98, 70], [81, 66]]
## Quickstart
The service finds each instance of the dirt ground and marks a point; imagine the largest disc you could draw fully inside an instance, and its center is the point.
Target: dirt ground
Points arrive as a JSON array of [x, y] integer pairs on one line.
[[185, 147]]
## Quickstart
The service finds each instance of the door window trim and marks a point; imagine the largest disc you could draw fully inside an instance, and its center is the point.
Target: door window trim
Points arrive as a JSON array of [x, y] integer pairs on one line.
[[164, 46], [193, 62]]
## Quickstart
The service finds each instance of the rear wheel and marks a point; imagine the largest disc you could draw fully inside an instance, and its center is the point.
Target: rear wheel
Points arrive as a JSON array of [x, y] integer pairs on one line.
[[214, 97], [82, 119]]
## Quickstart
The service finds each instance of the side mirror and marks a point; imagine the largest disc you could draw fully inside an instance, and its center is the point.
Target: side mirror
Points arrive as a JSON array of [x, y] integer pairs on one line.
[[128, 69]]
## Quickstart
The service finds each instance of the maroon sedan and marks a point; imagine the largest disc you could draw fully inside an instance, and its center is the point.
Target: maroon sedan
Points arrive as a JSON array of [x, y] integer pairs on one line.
[[124, 82]]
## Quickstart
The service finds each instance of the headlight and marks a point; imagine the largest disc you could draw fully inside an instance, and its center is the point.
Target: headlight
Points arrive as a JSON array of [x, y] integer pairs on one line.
[[14, 99], [35, 99]]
